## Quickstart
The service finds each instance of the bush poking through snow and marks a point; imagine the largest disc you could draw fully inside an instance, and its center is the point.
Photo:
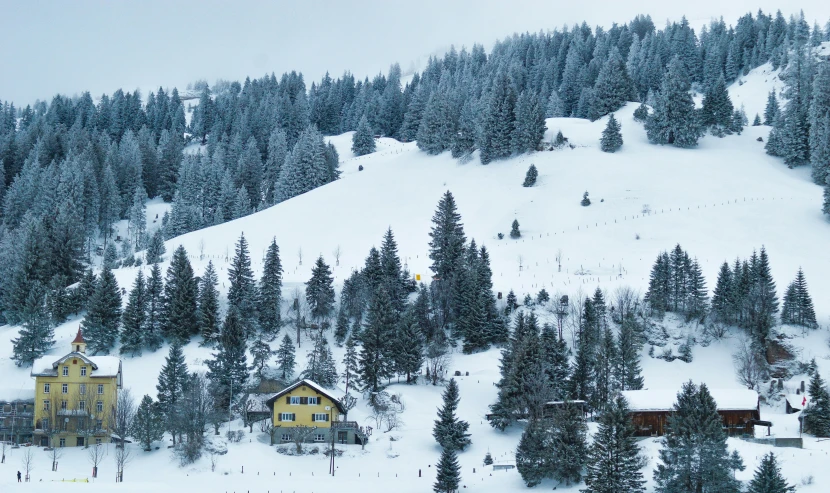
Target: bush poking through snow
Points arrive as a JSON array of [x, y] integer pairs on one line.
[[514, 231], [585, 200], [530, 176]]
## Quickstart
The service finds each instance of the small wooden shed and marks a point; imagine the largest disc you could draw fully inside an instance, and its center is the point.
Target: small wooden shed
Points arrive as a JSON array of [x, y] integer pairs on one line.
[[650, 410]]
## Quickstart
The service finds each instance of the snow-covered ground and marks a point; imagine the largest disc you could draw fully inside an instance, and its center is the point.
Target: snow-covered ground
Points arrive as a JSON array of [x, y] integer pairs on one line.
[[719, 201]]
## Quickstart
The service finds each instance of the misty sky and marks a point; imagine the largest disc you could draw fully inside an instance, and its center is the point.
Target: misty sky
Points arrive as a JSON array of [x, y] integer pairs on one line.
[[99, 46]]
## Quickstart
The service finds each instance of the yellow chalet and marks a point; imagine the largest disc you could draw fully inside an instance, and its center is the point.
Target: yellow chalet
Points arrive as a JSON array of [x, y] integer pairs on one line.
[[75, 397], [306, 408]]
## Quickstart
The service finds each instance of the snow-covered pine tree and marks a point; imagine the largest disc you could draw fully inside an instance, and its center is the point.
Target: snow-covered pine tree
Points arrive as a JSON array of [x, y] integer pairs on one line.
[[172, 382], [819, 120], [768, 477], [363, 140], [409, 348], [611, 140], [147, 426], [270, 292], [208, 306], [534, 453], [450, 431], [228, 368], [286, 360], [341, 326], [319, 292], [446, 250], [694, 456], [722, 296], [37, 334], [320, 366], [614, 464], [771, 111], [696, 292], [756, 122], [585, 202], [613, 87], [627, 371], [641, 113], [817, 414], [488, 459], [498, 121], [180, 298], [350, 362], [448, 473], [465, 138], [570, 449], [607, 355], [797, 308], [376, 354], [260, 354], [100, 327], [673, 120], [153, 321], [133, 319], [530, 176], [529, 128], [717, 110], [277, 151], [242, 293], [514, 230], [435, 133], [511, 302], [155, 250]]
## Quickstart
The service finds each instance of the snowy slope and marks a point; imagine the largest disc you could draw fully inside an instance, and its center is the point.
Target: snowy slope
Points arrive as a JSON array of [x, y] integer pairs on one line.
[[719, 201]]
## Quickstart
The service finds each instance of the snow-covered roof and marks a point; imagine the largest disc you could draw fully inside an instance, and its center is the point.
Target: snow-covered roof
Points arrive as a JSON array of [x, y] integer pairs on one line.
[[102, 366], [664, 399], [12, 395], [796, 400], [308, 383]]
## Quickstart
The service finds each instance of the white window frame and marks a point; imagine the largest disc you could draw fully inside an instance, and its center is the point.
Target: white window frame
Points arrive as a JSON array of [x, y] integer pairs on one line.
[[83, 371], [46, 388], [320, 418], [287, 417], [99, 424], [285, 437], [82, 389], [64, 388], [315, 399], [100, 389], [62, 442], [99, 406], [63, 404], [65, 371], [319, 437], [82, 405], [295, 400], [47, 405]]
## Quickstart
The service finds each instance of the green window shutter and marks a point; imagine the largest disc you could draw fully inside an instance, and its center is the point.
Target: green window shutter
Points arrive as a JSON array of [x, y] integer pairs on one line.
[[288, 399], [279, 416], [313, 417], [293, 416]]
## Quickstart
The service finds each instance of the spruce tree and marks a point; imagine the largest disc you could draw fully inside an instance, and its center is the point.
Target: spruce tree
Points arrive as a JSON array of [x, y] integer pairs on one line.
[[377, 337], [147, 426], [628, 372], [320, 366], [530, 176], [613, 464], [449, 431], [180, 295], [717, 110], [172, 382], [270, 292], [797, 308], [260, 354], [756, 122], [133, 319], [363, 140], [613, 87], [534, 455], [409, 348], [446, 250], [341, 326], [319, 292], [722, 299], [498, 121], [768, 477], [286, 358], [674, 121], [448, 473], [350, 362], [208, 305], [529, 128], [817, 414], [570, 449], [611, 140], [242, 293], [100, 326], [607, 355], [488, 459], [155, 250], [152, 328], [771, 111], [514, 230], [37, 335], [694, 456], [228, 369]]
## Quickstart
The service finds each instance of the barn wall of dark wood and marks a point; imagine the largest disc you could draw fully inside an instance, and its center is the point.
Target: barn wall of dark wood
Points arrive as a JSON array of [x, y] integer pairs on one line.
[[653, 423]]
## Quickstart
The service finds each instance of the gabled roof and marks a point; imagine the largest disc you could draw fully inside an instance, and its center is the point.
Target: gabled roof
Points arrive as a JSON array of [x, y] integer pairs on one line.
[[102, 366], [79, 338], [308, 383], [663, 400]]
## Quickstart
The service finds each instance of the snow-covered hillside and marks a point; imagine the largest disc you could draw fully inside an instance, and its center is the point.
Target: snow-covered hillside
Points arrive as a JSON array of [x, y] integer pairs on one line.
[[718, 201]]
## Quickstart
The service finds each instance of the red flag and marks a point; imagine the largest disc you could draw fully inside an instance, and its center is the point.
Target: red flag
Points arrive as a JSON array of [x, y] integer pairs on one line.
[[804, 401]]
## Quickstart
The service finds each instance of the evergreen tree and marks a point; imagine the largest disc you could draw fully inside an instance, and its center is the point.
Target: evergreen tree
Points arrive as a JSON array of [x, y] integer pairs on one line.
[[798, 305], [768, 477], [722, 299], [771, 111], [448, 473], [133, 320], [341, 326], [613, 464], [446, 250], [449, 431], [320, 367], [530, 176], [498, 121], [817, 414], [570, 450], [270, 292], [319, 292], [147, 426], [534, 455], [409, 348], [155, 249], [208, 305], [350, 362], [465, 139], [37, 335], [228, 368], [514, 230], [628, 372], [242, 293], [286, 358], [756, 122], [511, 302], [180, 296], [100, 327], [717, 110], [585, 202], [674, 121], [363, 140], [488, 459], [604, 365], [529, 128], [611, 140], [376, 357], [260, 354], [694, 456], [613, 87], [172, 382], [152, 328]]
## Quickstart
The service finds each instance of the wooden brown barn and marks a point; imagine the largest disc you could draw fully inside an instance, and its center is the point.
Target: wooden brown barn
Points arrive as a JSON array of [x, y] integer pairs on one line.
[[650, 410]]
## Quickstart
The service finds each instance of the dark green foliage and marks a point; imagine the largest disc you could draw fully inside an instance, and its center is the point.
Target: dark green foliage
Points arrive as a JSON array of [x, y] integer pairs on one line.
[[771, 111], [542, 296], [449, 431], [363, 140], [694, 456], [286, 358], [155, 250], [208, 305], [798, 305], [611, 140], [270, 292], [817, 414], [152, 330], [350, 362], [180, 295], [242, 293], [641, 113], [768, 477], [613, 464], [628, 373], [498, 121], [534, 453], [260, 354], [529, 124], [756, 122], [511, 302], [488, 459], [409, 348], [613, 87], [172, 382], [341, 327], [228, 368], [446, 250], [377, 337], [37, 335], [320, 366], [677, 284], [530, 176], [133, 319], [148, 425], [448, 473], [514, 230], [674, 121], [100, 327], [319, 292], [569, 446], [585, 202], [717, 110]]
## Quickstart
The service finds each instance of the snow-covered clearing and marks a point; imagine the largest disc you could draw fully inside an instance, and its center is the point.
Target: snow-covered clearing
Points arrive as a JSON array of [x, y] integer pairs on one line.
[[719, 201]]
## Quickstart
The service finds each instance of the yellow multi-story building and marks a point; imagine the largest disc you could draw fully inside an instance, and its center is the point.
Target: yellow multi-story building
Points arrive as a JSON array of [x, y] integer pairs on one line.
[[305, 407], [75, 397]]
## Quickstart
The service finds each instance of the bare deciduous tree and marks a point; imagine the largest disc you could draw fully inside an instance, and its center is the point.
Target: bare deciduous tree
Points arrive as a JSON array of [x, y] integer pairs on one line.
[[559, 259], [577, 305], [55, 453], [123, 455], [521, 260], [96, 455], [28, 462], [750, 365], [3, 446], [300, 255], [299, 434], [122, 416], [625, 303], [438, 360], [336, 253]]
